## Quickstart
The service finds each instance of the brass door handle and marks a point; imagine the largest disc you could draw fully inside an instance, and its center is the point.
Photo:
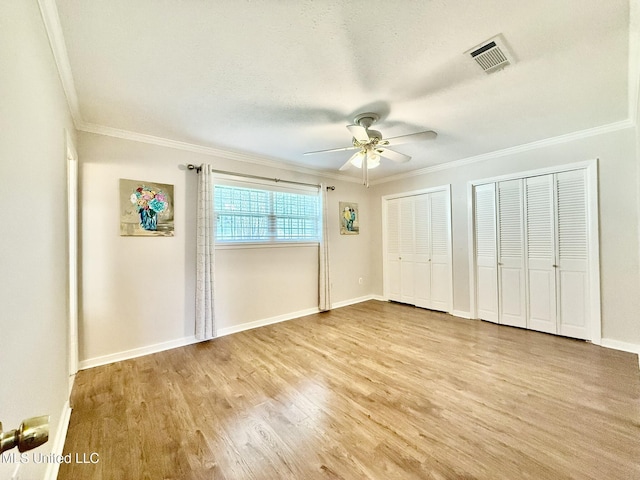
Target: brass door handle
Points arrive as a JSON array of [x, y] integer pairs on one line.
[[31, 433]]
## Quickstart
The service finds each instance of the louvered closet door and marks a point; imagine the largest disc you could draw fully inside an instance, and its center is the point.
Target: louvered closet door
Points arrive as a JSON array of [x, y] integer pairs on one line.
[[418, 257], [422, 263], [486, 253], [392, 274], [572, 250], [407, 250], [440, 230], [511, 279], [541, 261]]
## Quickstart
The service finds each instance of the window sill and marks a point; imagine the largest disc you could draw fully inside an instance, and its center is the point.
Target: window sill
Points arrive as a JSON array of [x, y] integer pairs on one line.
[[243, 245]]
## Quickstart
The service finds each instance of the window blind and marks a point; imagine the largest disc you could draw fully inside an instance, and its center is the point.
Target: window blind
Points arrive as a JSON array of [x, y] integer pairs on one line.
[[265, 215]]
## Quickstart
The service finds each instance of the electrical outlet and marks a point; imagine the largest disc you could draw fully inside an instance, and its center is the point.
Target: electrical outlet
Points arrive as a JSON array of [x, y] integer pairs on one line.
[[360, 281]]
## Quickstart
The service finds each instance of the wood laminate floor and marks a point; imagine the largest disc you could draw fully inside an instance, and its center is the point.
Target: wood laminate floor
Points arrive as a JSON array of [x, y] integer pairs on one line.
[[371, 391]]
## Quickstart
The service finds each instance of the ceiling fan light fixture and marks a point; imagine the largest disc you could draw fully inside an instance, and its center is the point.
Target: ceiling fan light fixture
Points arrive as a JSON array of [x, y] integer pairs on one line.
[[373, 159], [370, 146], [357, 159]]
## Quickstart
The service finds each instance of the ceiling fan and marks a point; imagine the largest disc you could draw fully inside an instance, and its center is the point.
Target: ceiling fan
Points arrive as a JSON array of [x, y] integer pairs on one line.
[[370, 145]]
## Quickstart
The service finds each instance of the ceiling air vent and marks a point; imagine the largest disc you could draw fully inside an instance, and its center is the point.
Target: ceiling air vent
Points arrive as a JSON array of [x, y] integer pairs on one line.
[[491, 55]]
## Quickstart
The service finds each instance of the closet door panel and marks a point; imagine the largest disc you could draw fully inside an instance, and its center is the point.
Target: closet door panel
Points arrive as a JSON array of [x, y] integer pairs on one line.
[[572, 250], [407, 251], [573, 293], [541, 274], [440, 288], [422, 265], [392, 273], [542, 304], [538, 228], [487, 292], [417, 268], [486, 256], [511, 279], [511, 293], [440, 229]]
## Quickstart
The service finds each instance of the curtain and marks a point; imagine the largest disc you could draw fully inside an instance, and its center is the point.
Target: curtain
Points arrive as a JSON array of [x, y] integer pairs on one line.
[[205, 256], [324, 283]]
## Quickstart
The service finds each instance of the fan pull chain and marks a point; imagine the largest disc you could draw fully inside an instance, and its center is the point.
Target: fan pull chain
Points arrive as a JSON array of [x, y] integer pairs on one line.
[[365, 168]]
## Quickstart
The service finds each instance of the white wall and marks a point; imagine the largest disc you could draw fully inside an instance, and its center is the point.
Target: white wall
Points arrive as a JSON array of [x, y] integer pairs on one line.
[[618, 217], [33, 265], [137, 292]]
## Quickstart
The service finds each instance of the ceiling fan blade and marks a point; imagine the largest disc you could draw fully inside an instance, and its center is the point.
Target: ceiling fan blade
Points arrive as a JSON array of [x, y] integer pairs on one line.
[[348, 163], [412, 137], [393, 156], [342, 149], [359, 133]]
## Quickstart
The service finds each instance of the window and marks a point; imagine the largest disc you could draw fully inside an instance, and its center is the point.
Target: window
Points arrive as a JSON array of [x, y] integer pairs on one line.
[[265, 216]]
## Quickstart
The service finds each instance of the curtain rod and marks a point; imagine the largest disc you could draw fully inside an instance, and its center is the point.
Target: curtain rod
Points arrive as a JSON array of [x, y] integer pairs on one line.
[[246, 175]]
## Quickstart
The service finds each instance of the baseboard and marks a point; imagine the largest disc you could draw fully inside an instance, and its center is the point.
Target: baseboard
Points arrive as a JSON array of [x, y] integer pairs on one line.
[[181, 342], [352, 301], [72, 379], [618, 345], [265, 321], [136, 352], [57, 447], [289, 316], [624, 346]]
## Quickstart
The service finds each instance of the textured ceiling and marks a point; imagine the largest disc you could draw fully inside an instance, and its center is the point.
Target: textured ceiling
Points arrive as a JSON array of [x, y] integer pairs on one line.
[[279, 78]]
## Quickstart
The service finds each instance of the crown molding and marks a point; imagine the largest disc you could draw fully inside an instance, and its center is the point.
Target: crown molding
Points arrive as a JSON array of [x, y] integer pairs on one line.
[[53, 27], [211, 151], [49, 13], [569, 137]]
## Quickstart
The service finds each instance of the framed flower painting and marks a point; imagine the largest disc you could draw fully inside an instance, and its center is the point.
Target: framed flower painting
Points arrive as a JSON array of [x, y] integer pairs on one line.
[[349, 218], [146, 209]]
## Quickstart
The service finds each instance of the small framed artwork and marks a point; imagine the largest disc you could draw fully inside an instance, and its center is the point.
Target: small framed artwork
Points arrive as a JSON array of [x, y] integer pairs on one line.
[[349, 218], [146, 209]]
